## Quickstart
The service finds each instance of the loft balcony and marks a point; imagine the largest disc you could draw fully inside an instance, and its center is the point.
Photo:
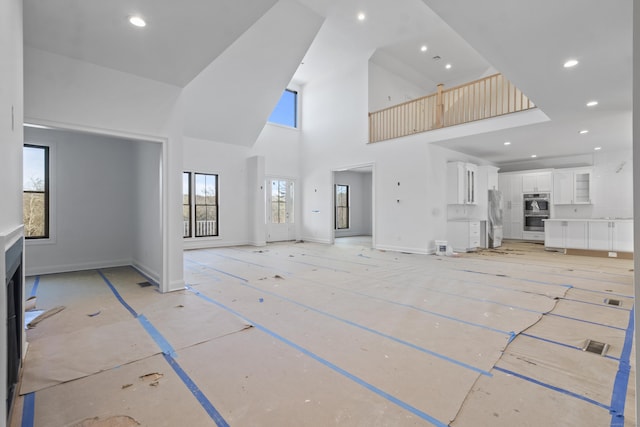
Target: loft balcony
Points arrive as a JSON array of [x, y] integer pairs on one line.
[[485, 98]]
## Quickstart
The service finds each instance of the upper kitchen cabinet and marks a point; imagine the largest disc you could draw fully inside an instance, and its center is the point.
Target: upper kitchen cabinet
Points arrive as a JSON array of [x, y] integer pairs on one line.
[[462, 183], [572, 186], [538, 182]]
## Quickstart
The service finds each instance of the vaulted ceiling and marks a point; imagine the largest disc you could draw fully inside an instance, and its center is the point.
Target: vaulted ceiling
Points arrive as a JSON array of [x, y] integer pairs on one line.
[[526, 41]]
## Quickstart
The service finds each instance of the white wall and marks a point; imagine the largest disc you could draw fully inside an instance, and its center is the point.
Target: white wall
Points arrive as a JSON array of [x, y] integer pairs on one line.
[[230, 163], [360, 202], [11, 111], [146, 233], [232, 98], [409, 216], [63, 90], [92, 188], [387, 88]]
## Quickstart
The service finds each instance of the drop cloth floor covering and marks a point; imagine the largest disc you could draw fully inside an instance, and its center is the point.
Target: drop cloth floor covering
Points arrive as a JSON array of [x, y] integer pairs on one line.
[[314, 335]]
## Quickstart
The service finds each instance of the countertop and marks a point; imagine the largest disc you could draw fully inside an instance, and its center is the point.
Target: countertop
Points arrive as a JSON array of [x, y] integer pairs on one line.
[[591, 219]]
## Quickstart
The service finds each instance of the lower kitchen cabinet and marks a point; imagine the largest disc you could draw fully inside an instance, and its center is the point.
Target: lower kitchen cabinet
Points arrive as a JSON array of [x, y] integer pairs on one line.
[[463, 235], [602, 235], [614, 236], [566, 234]]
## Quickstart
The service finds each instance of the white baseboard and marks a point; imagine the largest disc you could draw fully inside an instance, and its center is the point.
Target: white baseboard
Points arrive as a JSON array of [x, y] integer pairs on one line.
[[147, 272], [52, 269], [316, 240], [421, 251]]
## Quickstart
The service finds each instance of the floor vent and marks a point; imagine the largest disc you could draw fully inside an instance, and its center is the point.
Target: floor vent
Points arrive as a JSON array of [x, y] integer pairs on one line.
[[596, 347], [144, 284], [616, 302]]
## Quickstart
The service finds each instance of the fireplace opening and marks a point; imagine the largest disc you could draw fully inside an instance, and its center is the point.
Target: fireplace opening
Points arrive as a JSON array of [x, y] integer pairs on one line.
[[13, 263]]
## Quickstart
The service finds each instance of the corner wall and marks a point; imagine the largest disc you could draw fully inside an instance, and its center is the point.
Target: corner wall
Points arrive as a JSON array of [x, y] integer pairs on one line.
[[11, 141]]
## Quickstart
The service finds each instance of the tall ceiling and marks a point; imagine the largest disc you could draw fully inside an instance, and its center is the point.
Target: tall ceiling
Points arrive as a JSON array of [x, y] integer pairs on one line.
[[526, 41]]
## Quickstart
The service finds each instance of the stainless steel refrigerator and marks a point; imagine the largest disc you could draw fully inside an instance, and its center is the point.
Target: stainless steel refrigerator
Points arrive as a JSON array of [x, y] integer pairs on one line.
[[494, 224]]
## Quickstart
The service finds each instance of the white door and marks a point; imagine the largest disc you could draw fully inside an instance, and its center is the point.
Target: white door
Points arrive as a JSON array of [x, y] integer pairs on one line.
[[280, 212]]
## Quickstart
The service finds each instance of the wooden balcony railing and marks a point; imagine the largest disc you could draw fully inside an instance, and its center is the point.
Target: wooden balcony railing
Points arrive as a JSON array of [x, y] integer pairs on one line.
[[481, 99]]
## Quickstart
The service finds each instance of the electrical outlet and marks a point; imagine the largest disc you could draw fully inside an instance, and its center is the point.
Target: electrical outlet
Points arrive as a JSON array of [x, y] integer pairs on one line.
[[613, 254]]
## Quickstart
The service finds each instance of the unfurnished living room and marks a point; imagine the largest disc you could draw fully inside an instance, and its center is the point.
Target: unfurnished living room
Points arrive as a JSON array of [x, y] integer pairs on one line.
[[318, 212]]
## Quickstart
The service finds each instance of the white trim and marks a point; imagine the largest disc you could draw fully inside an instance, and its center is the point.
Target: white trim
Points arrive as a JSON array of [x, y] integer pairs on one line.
[[421, 251], [51, 269], [201, 243], [317, 240]]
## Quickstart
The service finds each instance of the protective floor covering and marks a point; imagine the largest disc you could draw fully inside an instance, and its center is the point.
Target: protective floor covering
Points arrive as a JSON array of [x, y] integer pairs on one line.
[[301, 334]]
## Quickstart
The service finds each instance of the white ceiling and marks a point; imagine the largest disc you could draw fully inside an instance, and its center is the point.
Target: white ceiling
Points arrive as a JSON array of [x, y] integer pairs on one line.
[[526, 41]]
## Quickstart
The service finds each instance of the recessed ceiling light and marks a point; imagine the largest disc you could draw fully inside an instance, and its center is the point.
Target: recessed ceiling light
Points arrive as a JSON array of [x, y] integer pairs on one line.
[[137, 21], [533, 156], [448, 66], [423, 48], [507, 143], [598, 148], [583, 131], [571, 63], [592, 103], [361, 16]]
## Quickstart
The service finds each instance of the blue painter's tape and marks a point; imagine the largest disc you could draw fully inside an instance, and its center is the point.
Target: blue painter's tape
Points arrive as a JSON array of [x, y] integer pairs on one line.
[[373, 331], [619, 395], [193, 388], [34, 289], [117, 295], [169, 353], [242, 279], [28, 409], [215, 253], [551, 387], [157, 336], [359, 381], [585, 321], [603, 304], [538, 282], [512, 336], [561, 344]]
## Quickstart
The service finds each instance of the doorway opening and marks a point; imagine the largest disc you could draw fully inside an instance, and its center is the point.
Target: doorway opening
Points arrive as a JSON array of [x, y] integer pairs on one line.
[[281, 218], [353, 201]]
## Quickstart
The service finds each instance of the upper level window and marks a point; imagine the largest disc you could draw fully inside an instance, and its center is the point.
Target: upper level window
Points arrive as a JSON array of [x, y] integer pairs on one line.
[[35, 191], [285, 112]]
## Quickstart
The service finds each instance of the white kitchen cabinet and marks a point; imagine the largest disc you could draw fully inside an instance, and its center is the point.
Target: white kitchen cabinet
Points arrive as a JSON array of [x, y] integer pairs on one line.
[[572, 186], [566, 234], [512, 207], [537, 182], [463, 235], [554, 234], [612, 235], [576, 235], [622, 236], [462, 183]]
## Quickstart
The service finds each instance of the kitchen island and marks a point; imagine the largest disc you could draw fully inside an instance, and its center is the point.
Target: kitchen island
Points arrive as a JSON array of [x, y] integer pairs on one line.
[[604, 236]]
